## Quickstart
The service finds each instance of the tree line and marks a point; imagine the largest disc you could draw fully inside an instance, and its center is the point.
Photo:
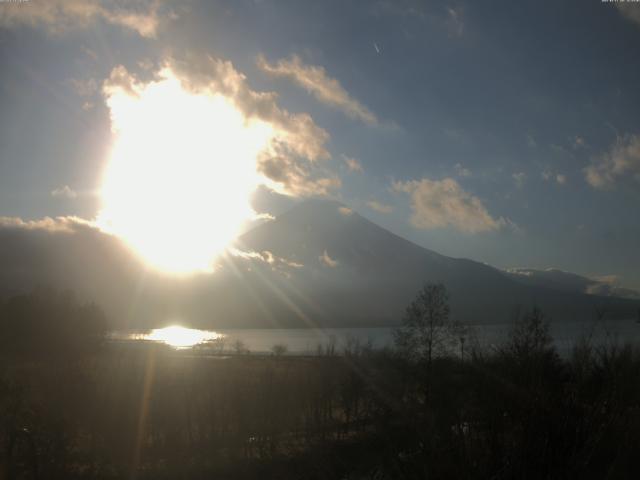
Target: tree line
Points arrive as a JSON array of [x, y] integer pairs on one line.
[[436, 405]]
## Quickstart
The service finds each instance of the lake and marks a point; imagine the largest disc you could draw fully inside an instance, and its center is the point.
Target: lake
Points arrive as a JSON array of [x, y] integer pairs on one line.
[[308, 341]]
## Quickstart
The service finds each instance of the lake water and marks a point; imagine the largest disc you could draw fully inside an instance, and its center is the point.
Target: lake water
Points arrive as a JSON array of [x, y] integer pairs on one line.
[[308, 341]]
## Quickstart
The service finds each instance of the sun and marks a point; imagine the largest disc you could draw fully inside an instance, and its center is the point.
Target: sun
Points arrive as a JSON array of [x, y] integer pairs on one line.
[[182, 169]]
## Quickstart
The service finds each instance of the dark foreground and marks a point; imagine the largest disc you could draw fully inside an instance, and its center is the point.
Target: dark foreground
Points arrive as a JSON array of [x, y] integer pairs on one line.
[[74, 407], [153, 413]]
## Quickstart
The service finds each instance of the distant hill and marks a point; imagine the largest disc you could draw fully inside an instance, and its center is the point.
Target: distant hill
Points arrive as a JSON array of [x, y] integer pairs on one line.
[[319, 264], [570, 282]]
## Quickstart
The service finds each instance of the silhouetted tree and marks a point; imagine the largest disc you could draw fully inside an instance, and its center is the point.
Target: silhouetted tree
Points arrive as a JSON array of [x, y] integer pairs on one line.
[[426, 328], [240, 348], [530, 335], [279, 349]]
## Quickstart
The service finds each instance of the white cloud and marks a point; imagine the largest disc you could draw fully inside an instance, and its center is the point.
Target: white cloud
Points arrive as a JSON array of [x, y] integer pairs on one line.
[[547, 175], [65, 191], [121, 81], [291, 163], [443, 203], [67, 224], [579, 142], [352, 164], [298, 135], [379, 207], [326, 260], [292, 176], [61, 16], [264, 258], [462, 171], [622, 160], [315, 80], [146, 64], [455, 20], [345, 211], [519, 178]]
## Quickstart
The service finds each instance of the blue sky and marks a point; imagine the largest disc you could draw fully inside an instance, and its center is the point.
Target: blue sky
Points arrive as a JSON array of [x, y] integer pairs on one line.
[[505, 132]]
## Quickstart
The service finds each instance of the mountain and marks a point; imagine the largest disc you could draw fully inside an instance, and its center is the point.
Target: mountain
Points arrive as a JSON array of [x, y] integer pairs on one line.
[[361, 273], [319, 264], [570, 282]]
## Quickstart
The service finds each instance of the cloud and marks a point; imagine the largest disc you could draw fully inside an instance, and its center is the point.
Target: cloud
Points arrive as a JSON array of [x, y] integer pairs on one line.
[[120, 81], [66, 224], [379, 207], [346, 211], [630, 11], [352, 164], [531, 141], [89, 53], [65, 192], [272, 259], [326, 260], [621, 161], [455, 21], [265, 258], [443, 203], [84, 88], [608, 279], [578, 142], [547, 175], [441, 15], [146, 64], [61, 16], [462, 171], [315, 80], [294, 176], [519, 178], [609, 285], [292, 162]]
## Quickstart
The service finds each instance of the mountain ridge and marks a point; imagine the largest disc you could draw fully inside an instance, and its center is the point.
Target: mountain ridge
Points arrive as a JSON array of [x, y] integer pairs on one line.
[[318, 264], [363, 250]]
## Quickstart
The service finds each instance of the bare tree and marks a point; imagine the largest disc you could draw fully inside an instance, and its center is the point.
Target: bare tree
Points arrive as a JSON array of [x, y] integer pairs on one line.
[[530, 334], [279, 349], [426, 328], [240, 348]]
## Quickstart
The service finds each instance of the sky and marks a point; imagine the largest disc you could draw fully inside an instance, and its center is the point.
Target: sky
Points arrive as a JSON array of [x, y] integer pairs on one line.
[[505, 132]]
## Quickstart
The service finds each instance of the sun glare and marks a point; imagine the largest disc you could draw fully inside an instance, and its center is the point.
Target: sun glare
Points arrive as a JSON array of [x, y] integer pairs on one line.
[[180, 337], [181, 173]]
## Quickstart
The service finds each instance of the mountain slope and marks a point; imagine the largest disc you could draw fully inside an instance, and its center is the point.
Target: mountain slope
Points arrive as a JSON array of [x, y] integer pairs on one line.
[[376, 273], [570, 282], [319, 264]]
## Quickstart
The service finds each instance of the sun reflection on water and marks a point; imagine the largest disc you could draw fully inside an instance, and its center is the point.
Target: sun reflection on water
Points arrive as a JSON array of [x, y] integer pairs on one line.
[[180, 337]]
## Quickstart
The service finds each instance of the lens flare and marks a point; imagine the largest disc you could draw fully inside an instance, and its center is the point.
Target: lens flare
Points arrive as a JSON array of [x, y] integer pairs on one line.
[[181, 173]]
